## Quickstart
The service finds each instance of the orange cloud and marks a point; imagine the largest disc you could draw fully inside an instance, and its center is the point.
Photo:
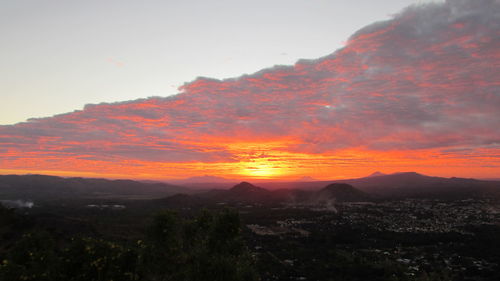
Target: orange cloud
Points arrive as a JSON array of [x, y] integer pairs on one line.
[[418, 92]]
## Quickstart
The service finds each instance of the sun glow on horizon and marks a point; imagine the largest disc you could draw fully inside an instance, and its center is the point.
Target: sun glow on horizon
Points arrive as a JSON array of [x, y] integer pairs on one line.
[[270, 163], [262, 169]]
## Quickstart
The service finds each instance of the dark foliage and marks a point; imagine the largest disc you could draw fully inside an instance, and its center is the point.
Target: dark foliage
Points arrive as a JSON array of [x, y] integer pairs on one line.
[[208, 247]]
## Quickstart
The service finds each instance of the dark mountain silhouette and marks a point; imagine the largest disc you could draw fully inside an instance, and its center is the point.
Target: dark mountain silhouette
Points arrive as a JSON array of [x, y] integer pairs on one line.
[[327, 197], [203, 179], [399, 185], [51, 187], [242, 192], [245, 192], [377, 174], [205, 182], [406, 184], [342, 192], [324, 194], [412, 184], [306, 179], [246, 188]]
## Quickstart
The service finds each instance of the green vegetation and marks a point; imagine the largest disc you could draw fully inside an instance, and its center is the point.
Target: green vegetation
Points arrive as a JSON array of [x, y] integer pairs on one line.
[[207, 247], [85, 239]]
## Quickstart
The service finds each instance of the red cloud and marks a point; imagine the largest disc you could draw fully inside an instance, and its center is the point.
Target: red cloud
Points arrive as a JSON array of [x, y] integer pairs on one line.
[[426, 80]]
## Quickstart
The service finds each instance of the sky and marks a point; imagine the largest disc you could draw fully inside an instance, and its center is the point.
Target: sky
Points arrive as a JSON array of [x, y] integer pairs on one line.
[[58, 56], [285, 89]]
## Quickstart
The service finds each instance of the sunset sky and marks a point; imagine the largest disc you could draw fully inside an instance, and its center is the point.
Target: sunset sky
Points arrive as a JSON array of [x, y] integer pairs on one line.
[[380, 88]]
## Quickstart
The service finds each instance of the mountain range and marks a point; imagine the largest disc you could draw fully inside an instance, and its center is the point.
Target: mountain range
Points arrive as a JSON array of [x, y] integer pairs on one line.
[[371, 188], [248, 193], [404, 184], [43, 187], [374, 187]]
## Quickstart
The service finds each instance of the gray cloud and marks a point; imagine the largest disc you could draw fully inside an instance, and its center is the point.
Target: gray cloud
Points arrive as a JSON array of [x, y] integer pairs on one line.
[[428, 78]]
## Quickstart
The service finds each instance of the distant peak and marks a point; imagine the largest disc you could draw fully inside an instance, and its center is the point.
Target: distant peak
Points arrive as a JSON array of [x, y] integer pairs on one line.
[[408, 173], [207, 178], [246, 186], [377, 174], [307, 178], [343, 192]]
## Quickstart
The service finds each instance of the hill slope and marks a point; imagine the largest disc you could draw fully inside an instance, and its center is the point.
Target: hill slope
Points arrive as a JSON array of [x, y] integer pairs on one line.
[[50, 187], [342, 192]]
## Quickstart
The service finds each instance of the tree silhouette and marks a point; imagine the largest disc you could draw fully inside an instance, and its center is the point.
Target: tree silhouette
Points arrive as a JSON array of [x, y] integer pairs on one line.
[[208, 247]]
